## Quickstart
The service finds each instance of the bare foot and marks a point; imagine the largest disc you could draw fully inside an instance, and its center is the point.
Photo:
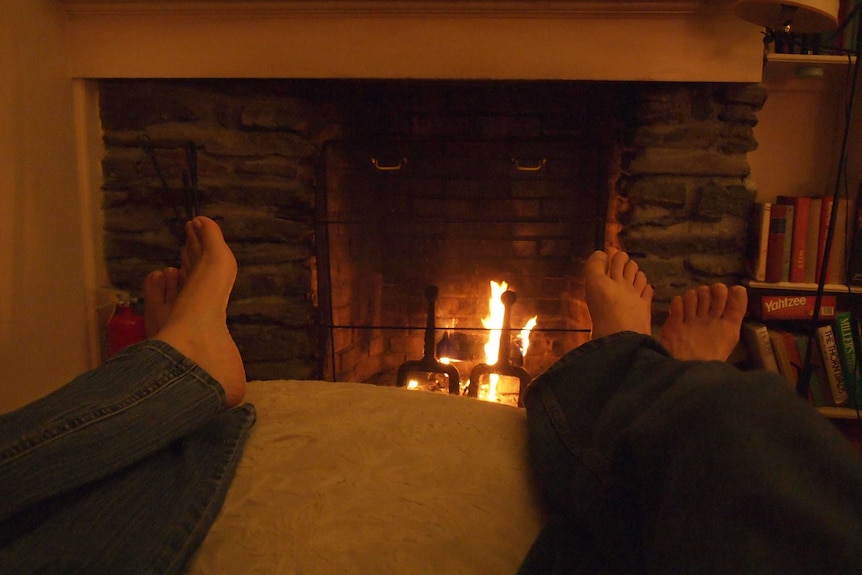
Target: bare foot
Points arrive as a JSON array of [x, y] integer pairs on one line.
[[160, 292], [704, 322], [195, 321], [618, 294]]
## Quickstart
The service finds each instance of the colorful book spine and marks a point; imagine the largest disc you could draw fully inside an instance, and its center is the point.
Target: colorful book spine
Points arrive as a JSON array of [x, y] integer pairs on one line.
[[799, 235], [836, 269], [782, 356], [778, 246], [756, 338], [813, 238], [844, 328], [854, 262], [848, 39], [796, 360], [758, 241], [832, 364], [818, 390], [823, 229]]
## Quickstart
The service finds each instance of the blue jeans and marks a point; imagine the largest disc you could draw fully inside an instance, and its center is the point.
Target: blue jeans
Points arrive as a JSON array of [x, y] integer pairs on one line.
[[122, 470], [654, 465]]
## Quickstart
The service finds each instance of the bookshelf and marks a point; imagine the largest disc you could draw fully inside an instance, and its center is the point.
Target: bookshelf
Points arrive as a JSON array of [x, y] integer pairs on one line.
[[789, 68], [816, 59], [802, 287], [848, 297]]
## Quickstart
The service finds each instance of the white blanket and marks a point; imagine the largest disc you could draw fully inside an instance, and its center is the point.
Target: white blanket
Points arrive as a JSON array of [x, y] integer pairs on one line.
[[341, 478]]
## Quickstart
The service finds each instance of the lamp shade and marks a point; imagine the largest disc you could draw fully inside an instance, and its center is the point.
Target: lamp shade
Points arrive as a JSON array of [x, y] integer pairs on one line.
[[801, 16]]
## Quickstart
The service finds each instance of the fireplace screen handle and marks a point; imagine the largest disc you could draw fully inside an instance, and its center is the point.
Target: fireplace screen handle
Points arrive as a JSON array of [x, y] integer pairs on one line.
[[529, 167], [389, 168]]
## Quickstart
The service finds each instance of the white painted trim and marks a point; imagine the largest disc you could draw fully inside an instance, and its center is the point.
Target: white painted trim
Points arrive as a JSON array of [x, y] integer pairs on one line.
[[88, 152], [566, 40], [383, 8]]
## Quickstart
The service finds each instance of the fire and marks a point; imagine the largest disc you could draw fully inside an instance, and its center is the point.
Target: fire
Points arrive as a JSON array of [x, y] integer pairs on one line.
[[494, 323]]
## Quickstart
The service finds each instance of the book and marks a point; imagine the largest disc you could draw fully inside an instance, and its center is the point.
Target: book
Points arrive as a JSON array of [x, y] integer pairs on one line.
[[796, 360], [799, 235], [813, 238], [845, 326], [818, 390], [823, 230], [758, 240], [832, 364], [793, 307], [847, 40], [778, 245], [854, 261], [836, 268], [782, 355], [856, 398], [756, 338]]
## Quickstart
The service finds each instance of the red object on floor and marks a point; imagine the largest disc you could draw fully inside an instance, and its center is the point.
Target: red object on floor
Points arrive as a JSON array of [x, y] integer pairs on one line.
[[125, 327]]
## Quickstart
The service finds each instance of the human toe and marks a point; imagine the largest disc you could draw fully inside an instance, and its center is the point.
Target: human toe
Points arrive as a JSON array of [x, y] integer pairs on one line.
[[596, 264], [689, 303], [704, 300], [154, 287], [171, 284], [718, 299], [617, 266], [737, 304]]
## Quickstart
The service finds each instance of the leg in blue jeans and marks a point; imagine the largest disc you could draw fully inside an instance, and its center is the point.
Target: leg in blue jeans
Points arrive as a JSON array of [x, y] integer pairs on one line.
[[653, 464], [124, 469]]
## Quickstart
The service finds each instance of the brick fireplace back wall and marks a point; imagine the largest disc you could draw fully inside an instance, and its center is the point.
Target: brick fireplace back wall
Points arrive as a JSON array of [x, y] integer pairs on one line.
[[678, 190]]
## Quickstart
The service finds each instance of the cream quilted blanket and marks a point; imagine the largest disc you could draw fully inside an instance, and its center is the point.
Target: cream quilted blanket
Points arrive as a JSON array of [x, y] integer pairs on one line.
[[342, 478]]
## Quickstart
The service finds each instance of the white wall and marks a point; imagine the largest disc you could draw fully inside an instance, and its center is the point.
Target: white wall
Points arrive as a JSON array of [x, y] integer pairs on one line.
[[43, 337], [800, 131]]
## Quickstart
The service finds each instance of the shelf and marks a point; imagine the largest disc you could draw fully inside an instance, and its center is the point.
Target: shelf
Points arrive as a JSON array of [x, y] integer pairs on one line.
[[838, 412], [806, 72], [805, 287], [811, 59]]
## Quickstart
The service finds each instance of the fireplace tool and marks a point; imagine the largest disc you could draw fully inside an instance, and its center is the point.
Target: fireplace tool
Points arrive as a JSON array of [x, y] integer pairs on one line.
[[429, 363], [504, 366], [187, 207]]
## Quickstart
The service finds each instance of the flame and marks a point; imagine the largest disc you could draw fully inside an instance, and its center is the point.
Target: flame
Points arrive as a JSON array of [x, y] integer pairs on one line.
[[525, 334], [494, 323]]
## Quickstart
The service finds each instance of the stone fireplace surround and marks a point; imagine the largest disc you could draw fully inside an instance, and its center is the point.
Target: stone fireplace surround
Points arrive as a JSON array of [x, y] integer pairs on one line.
[[677, 185], [674, 186]]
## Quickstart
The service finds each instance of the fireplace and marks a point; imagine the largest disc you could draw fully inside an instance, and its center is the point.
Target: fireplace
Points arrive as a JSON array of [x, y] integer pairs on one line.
[[537, 130], [345, 199]]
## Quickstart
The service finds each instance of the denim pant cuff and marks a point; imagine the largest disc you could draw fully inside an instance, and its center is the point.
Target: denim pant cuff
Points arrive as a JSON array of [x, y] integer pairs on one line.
[[667, 466]]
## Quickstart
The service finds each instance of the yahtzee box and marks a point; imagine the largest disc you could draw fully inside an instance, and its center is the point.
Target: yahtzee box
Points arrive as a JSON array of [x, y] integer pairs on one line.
[[795, 307]]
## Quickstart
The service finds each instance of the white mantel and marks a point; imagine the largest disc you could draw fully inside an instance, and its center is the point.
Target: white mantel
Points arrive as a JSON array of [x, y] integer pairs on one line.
[[677, 40]]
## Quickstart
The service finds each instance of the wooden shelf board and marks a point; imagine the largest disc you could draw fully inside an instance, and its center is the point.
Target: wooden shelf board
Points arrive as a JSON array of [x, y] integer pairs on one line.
[[814, 59], [838, 412], [808, 287]]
